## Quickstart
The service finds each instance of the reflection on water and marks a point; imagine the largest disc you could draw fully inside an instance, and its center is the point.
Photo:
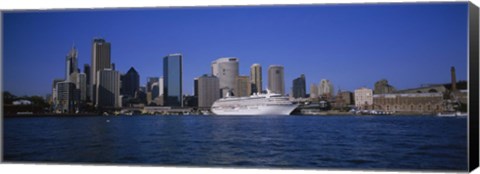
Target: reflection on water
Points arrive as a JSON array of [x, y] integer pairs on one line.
[[380, 142]]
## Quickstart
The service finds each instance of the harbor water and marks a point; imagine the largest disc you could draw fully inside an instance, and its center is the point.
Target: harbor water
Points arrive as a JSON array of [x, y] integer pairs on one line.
[[318, 142]]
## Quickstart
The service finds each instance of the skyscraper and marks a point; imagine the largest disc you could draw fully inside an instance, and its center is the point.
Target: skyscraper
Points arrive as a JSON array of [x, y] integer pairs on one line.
[[100, 61], [195, 87], [325, 89], [82, 79], [276, 82], [299, 87], [256, 78], [108, 89], [313, 91], [71, 63], [130, 83], [225, 69], [208, 90], [172, 76], [243, 86], [87, 71]]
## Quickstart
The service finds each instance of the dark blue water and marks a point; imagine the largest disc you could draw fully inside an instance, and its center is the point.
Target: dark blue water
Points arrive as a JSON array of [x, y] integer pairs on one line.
[[352, 142]]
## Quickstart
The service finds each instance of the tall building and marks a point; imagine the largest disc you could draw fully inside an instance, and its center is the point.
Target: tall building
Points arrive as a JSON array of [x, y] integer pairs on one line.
[[87, 71], [108, 89], [208, 90], [382, 87], [276, 82], [325, 89], [172, 76], [299, 87], [195, 87], [151, 92], [160, 87], [155, 90], [243, 86], [71, 63], [100, 61], [313, 91], [82, 87], [256, 78], [225, 69], [65, 97], [130, 83], [364, 98]]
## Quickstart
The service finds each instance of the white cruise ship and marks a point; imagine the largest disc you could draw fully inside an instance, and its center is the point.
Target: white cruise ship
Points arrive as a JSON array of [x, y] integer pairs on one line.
[[257, 104]]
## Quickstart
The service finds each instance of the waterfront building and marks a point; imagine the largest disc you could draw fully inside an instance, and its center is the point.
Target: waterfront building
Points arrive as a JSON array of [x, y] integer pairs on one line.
[[172, 76], [100, 61], [276, 82], [299, 87], [409, 102], [325, 89], [108, 89], [343, 99], [226, 69], [55, 93], [195, 87], [382, 87], [190, 101], [256, 78], [243, 86], [158, 101], [65, 97], [130, 83], [87, 71], [313, 91], [364, 98], [208, 90]]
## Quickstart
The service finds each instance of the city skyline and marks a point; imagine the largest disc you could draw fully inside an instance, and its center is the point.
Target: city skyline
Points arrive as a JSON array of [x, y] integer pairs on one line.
[[360, 56]]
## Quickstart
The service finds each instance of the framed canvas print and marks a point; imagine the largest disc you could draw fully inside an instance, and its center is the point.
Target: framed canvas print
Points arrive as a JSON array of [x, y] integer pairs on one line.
[[355, 86]]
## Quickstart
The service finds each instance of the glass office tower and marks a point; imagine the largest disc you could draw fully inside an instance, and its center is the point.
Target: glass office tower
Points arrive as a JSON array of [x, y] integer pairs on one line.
[[172, 74]]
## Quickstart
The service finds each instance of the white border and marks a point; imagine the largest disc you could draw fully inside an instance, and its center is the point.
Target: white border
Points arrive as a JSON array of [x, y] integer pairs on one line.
[[10, 5]]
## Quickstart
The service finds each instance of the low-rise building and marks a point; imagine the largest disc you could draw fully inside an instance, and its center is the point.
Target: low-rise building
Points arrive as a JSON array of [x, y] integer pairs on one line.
[[409, 102], [364, 98]]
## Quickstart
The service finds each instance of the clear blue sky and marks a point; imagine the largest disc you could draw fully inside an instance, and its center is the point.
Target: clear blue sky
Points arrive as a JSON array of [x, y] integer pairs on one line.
[[351, 45]]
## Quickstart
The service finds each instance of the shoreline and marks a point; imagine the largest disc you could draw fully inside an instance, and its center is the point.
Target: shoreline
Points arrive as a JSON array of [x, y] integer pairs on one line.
[[326, 114]]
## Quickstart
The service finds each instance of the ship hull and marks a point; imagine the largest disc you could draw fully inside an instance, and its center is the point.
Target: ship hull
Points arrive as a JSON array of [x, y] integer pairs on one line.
[[257, 110]]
